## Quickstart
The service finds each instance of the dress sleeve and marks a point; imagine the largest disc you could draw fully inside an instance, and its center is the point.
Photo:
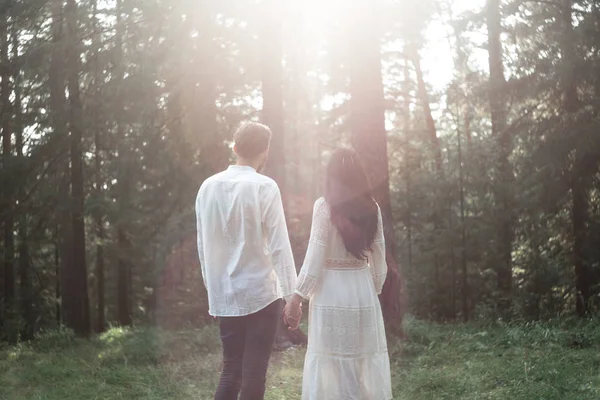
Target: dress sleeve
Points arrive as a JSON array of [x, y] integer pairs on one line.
[[377, 259], [317, 251]]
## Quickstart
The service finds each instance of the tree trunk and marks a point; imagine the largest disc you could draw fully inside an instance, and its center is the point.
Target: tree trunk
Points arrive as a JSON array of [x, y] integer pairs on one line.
[[63, 256], [100, 316], [124, 303], [272, 113], [100, 322], [79, 320], [369, 137], [202, 111], [65, 278], [579, 216], [452, 312], [272, 89], [100, 237], [580, 197], [535, 245], [24, 262], [439, 174], [503, 178], [465, 109], [294, 102], [7, 200], [57, 278], [273, 117], [463, 228], [124, 309], [429, 121], [463, 70], [409, 161], [409, 225]]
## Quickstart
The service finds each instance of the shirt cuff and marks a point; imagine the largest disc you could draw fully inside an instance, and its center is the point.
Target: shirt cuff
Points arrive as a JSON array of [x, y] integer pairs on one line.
[[304, 296]]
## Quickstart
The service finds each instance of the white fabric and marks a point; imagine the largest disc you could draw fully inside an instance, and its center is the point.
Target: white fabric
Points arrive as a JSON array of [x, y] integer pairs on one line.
[[243, 243], [347, 356]]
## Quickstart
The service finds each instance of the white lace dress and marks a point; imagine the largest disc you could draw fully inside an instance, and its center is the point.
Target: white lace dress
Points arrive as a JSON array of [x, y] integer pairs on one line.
[[347, 356]]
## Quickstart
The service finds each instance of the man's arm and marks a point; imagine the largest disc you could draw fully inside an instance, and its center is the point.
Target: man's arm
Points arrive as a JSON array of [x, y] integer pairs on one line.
[[200, 240], [278, 243]]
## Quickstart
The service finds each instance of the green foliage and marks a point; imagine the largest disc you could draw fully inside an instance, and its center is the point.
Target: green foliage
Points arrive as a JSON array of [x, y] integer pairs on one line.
[[499, 361], [551, 151], [476, 361], [53, 340]]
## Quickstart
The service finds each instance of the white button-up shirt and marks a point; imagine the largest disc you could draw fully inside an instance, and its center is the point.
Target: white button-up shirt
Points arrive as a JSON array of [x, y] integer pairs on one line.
[[243, 242]]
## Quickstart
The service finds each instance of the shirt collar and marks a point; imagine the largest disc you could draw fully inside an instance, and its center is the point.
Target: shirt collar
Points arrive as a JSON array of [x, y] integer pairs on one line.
[[241, 168]]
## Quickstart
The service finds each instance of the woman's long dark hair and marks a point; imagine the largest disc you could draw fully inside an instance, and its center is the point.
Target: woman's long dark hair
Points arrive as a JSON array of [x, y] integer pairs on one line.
[[350, 198]]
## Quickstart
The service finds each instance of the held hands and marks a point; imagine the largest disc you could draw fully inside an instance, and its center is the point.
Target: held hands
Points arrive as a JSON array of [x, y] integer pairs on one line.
[[292, 313]]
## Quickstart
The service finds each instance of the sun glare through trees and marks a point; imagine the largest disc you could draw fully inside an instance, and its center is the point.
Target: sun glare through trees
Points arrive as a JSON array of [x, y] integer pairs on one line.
[[476, 120]]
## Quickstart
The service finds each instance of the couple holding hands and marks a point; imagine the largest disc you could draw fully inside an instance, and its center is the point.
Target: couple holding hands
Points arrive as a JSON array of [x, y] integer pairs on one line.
[[249, 272]]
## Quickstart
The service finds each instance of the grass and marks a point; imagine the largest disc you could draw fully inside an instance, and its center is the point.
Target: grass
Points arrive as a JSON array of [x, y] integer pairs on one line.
[[559, 360]]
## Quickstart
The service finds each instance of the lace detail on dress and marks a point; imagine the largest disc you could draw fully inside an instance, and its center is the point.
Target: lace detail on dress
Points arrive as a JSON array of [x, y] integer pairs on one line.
[[347, 331], [350, 264], [306, 285]]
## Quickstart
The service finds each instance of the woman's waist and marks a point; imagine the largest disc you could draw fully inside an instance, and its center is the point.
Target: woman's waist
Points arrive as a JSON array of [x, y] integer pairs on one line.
[[341, 264]]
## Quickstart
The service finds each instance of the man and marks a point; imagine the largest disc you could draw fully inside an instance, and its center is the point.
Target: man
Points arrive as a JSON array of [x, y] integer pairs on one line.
[[247, 262]]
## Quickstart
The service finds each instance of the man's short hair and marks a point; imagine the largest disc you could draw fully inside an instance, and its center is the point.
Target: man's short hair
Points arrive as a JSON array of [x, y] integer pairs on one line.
[[251, 139]]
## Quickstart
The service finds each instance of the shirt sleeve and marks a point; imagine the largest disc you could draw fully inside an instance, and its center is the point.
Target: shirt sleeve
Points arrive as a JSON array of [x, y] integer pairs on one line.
[[317, 251], [200, 240], [278, 243], [377, 259]]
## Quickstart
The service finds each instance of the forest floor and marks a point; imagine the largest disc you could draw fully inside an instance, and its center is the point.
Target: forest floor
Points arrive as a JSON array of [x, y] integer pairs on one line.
[[558, 360]]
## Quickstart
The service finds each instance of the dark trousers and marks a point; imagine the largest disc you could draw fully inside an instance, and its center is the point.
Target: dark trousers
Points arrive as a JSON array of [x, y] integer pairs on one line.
[[247, 343]]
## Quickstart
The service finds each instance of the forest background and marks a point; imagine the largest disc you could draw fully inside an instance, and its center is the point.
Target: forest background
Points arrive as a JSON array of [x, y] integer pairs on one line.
[[478, 122]]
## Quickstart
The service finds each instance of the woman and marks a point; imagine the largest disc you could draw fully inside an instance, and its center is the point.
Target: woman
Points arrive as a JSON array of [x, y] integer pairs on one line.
[[342, 275]]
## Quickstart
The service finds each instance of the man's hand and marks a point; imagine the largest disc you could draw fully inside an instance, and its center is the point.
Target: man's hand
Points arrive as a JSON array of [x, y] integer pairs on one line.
[[292, 314]]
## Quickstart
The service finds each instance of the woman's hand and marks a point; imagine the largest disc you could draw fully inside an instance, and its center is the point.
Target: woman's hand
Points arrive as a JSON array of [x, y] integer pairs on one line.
[[293, 312]]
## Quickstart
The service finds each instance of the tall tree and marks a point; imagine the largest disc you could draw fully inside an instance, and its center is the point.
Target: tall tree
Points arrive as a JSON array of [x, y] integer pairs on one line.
[[79, 319], [25, 285], [100, 322], [369, 136], [434, 141], [463, 228], [124, 281], [202, 113], [497, 91], [580, 173], [272, 89], [413, 53], [273, 116], [406, 127], [58, 121], [462, 67], [7, 200]]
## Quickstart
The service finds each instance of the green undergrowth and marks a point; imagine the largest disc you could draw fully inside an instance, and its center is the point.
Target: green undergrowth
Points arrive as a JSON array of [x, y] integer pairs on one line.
[[556, 360]]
